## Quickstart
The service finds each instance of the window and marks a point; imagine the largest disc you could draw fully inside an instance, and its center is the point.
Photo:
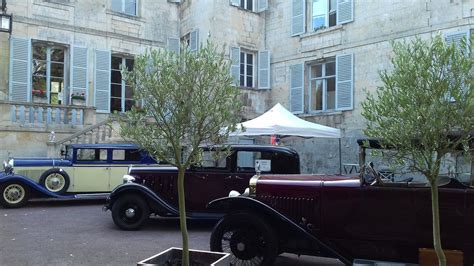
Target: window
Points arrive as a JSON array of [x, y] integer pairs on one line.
[[323, 14], [210, 160], [246, 4], [322, 89], [247, 75], [121, 95], [128, 7], [126, 155], [91, 155], [48, 73]]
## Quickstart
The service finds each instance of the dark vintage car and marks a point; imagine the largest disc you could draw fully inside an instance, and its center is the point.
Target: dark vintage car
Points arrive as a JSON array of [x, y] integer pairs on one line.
[[83, 169], [153, 190], [364, 217]]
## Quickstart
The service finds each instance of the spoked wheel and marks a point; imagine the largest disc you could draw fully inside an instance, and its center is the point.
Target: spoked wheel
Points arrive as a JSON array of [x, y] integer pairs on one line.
[[130, 212], [14, 195], [247, 237], [55, 180]]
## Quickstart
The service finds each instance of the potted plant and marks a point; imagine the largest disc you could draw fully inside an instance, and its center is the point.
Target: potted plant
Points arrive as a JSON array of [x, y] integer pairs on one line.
[[424, 110], [39, 96], [188, 100], [78, 98]]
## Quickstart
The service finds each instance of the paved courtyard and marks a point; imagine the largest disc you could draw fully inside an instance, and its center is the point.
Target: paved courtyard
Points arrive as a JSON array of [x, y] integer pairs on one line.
[[80, 233]]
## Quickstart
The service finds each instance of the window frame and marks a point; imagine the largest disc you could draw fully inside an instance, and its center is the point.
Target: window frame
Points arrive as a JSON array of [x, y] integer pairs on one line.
[[327, 14], [48, 63], [123, 86], [325, 79], [245, 64], [122, 10]]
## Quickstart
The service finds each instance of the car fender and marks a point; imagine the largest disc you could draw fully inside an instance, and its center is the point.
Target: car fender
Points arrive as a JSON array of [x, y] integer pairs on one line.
[[156, 202], [37, 188], [241, 203]]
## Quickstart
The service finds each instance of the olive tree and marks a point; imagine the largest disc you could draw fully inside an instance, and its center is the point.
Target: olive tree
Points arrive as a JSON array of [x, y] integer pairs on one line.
[[186, 100], [423, 109]]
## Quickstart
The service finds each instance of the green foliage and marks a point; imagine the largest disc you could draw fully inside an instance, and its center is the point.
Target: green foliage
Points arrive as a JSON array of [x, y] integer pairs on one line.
[[424, 110], [187, 100], [424, 99]]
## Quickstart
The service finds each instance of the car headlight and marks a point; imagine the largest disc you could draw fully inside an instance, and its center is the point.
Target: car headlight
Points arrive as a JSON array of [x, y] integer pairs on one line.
[[128, 179], [8, 166]]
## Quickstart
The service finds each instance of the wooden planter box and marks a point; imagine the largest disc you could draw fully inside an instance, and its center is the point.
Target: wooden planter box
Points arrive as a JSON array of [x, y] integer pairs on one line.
[[428, 257], [172, 256]]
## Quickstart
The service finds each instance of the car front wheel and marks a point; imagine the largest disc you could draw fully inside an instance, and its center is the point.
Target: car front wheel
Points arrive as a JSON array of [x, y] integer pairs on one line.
[[55, 180], [130, 212], [247, 237], [14, 195]]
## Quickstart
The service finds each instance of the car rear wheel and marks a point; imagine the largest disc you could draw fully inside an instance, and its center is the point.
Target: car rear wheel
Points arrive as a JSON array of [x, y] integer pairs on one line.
[[14, 195], [130, 212], [247, 237], [55, 180]]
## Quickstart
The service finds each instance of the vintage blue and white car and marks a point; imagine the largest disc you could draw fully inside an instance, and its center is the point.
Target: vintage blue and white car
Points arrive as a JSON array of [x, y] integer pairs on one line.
[[83, 169]]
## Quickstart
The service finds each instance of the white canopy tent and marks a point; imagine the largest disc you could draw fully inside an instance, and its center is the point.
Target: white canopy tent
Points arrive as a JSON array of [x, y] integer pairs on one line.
[[279, 121]]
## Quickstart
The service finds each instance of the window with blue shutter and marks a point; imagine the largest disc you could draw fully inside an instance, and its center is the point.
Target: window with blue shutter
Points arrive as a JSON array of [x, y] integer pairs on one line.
[[298, 17], [102, 81], [457, 38], [235, 64], [79, 76], [345, 11], [20, 70], [344, 82], [264, 70], [297, 88]]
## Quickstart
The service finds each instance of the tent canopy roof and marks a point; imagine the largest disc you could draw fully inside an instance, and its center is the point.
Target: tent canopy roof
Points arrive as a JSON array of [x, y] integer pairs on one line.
[[280, 121]]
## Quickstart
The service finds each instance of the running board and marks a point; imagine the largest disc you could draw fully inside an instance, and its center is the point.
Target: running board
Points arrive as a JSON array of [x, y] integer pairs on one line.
[[92, 196]]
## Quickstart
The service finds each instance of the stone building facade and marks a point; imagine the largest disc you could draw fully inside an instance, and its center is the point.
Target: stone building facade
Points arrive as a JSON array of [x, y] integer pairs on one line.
[[318, 58]]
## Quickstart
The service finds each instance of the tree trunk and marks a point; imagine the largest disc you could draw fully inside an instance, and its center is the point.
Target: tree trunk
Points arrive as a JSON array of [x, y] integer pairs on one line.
[[436, 228], [182, 216]]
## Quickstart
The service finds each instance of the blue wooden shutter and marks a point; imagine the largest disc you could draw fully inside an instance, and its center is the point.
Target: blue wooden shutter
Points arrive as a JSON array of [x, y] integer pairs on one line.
[[235, 64], [298, 17], [262, 5], [20, 70], [102, 81], [264, 70], [297, 88], [194, 40], [173, 44], [345, 11], [79, 77], [344, 82], [457, 38]]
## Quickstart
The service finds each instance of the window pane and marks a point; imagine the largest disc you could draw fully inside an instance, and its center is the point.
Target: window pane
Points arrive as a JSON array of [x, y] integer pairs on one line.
[[103, 155], [316, 95], [332, 19], [39, 51], [116, 90], [115, 104], [57, 54], [318, 22], [130, 7], [118, 155], [56, 94], [249, 70], [242, 80], [39, 87], [86, 154], [117, 5], [57, 70], [129, 104], [316, 71], [116, 77], [249, 59], [250, 4], [331, 94], [116, 61], [129, 63], [38, 67], [128, 92], [249, 82], [330, 69]]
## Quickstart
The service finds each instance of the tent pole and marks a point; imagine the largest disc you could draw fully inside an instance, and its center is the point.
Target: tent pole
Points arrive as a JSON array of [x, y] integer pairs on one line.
[[340, 157]]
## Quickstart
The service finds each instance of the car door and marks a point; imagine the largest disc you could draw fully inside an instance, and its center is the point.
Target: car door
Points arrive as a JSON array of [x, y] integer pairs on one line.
[[208, 181], [91, 171]]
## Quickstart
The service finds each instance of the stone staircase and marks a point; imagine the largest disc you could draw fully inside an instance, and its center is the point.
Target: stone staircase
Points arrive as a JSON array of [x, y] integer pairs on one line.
[[106, 131]]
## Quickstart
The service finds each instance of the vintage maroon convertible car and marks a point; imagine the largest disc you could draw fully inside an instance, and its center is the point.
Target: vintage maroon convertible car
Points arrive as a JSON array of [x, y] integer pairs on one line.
[[360, 217]]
